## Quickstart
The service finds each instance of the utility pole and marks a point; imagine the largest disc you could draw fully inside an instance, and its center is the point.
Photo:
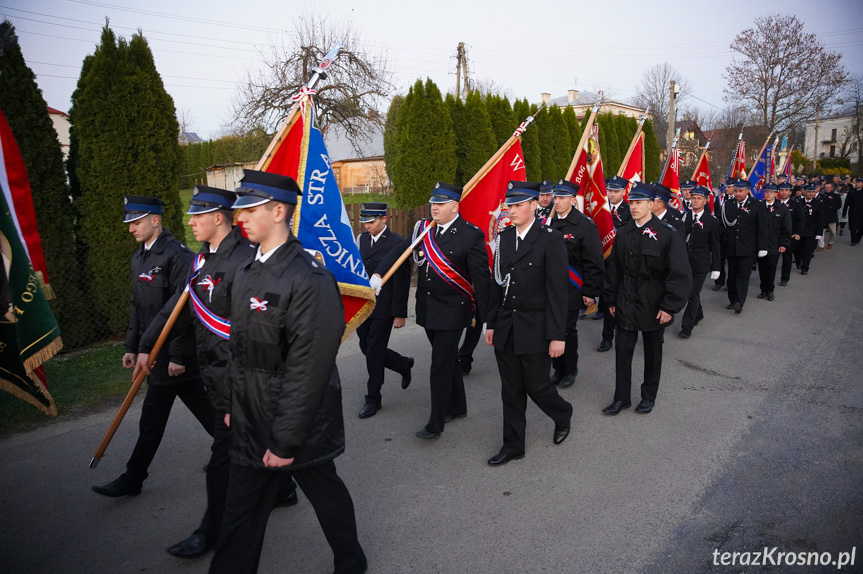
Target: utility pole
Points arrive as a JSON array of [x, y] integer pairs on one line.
[[461, 71], [815, 139], [669, 136]]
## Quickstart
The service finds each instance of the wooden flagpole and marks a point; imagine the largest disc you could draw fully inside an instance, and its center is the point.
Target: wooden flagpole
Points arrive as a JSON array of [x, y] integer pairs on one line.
[[632, 145], [584, 136], [668, 157], [758, 157]]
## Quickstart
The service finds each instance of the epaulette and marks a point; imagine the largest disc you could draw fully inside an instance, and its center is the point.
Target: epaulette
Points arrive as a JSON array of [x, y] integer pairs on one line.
[[507, 229], [668, 225], [469, 224], [548, 229]]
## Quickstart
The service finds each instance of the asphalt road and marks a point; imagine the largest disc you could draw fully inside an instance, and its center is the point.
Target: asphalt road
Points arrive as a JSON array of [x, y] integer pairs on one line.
[[756, 440]]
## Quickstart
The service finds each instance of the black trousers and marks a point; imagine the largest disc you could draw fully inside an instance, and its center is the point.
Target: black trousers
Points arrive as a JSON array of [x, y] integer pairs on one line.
[[472, 336], [374, 337], [723, 262], [624, 349], [154, 418], [608, 321], [856, 233], [250, 496], [523, 376], [767, 271], [807, 250], [568, 363], [786, 256], [739, 271], [445, 378], [694, 312]]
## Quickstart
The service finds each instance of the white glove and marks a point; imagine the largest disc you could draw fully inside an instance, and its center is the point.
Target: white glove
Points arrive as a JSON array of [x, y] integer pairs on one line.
[[818, 238], [714, 275], [376, 282], [484, 328], [762, 253]]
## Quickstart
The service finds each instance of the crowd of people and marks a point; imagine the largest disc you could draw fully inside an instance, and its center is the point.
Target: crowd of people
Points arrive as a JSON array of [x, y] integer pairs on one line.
[[253, 353]]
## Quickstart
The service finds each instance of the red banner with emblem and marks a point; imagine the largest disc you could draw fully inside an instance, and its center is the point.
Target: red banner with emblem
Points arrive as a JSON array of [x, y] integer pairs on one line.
[[633, 169], [701, 175], [591, 189], [671, 178], [483, 205]]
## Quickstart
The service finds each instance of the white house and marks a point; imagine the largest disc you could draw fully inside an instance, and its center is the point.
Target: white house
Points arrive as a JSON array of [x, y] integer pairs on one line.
[[834, 134], [61, 126]]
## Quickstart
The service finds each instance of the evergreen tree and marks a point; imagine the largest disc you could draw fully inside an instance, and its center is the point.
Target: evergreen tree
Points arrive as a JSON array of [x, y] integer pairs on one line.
[[456, 113], [426, 144], [503, 120], [624, 136], [574, 127], [651, 152], [529, 141], [477, 142], [554, 144], [27, 114], [125, 133], [390, 134], [608, 144]]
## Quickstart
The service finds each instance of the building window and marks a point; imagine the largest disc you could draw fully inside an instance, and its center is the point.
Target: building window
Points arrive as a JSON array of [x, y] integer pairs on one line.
[[833, 151], [337, 172], [832, 138]]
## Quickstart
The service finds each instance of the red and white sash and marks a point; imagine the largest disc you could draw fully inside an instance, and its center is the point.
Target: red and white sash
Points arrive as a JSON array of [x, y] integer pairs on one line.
[[444, 268], [218, 325]]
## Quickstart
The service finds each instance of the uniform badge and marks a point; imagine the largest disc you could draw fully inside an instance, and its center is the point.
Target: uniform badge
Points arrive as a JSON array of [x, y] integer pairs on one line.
[[700, 224], [259, 306], [568, 236], [743, 209], [209, 284], [148, 276], [651, 234]]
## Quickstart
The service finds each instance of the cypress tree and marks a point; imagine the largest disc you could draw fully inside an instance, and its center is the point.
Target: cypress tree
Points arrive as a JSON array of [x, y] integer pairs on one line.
[[624, 137], [529, 141], [27, 114], [478, 142], [391, 149], [652, 167], [574, 127], [426, 144], [456, 113], [608, 144], [555, 146], [503, 120], [125, 133]]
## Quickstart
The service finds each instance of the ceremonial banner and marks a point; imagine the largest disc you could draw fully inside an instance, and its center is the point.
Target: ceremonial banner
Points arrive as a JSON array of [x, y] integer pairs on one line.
[[483, 205], [671, 177], [760, 171], [786, 169], [738, 161], [29, 335], [19, 200], [633, 167], [701, 175], [321, 221], [589, 177]]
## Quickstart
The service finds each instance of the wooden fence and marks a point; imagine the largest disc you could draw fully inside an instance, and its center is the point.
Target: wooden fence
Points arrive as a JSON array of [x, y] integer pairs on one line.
[[400, 220]]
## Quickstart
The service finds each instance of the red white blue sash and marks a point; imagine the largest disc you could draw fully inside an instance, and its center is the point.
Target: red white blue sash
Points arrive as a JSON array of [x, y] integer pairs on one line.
[[575, 278], [217, 325], [545, 220], [442, 266]]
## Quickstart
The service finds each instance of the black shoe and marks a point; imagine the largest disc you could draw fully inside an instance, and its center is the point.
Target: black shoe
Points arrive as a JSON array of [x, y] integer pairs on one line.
[[616, 407], [604, 346], [427, 434], [771, 296], [289, 499], [730, 306], [762, 295], [685, 333], [465, 367], [369, 409], [560, 434], [450, 418], [406, 379], [568, 380], [717, 287], [194, 546], [783, 283], [501, 458], [804, 272], [598, 316], [581, 314], [644, 406], [556, 378], [738, 308], [118, 488]]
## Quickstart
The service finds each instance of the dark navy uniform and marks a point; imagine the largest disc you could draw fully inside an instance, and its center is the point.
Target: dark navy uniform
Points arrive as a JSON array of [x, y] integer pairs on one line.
[[528, 312], [648, 272], [745, 237], [620, 215], [391, 302], [810, 226], [853, 210], [586, 266], [778, 235], [787, 256], [702, 246]]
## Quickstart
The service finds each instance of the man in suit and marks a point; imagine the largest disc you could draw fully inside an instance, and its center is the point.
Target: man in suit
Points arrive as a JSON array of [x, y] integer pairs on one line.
[[663, 211], [391, 306], [620, 215], [527, 320], [586, 272], [832, 205], [793, 207], [853, 210], [702, 245], [778, 240], [745, 221], [686, 188], [453, 283], [726, 195], [545, 207], [648, 281], [810, 226]]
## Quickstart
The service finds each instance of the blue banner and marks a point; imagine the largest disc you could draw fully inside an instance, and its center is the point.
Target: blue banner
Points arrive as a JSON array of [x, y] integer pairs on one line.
[[758, 175]]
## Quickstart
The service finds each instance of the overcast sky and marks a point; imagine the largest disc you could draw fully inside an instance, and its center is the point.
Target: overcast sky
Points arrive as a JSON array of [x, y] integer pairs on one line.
[[202, 49]]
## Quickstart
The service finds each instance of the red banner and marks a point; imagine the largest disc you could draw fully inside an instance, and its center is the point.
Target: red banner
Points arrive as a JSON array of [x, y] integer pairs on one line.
[[671, 178], [589, 177], [739, 169], [483, 204], [702, 172]]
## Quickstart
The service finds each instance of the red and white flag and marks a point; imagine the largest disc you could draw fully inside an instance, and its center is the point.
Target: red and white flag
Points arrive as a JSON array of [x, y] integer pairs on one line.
[[671, 178], [738, 163], [593, 199], [633, 169]]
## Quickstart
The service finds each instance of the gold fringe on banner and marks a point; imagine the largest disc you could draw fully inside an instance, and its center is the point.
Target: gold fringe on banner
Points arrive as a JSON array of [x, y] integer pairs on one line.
[[47, 290]]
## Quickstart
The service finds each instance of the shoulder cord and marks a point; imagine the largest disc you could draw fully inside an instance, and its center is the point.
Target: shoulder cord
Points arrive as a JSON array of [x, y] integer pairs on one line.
[[417, 230]]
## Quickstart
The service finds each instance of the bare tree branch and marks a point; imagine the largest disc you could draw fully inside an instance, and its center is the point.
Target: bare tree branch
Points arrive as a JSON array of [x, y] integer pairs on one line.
[[653, 92]]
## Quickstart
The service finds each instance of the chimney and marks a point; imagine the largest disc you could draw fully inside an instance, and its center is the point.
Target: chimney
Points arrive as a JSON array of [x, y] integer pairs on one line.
[[573, 95], [546, 97]]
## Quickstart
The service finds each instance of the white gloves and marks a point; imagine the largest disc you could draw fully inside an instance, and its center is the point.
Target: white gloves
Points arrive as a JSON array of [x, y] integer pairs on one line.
[[376, 282], [714, 275], [818, 237], [762, 253]]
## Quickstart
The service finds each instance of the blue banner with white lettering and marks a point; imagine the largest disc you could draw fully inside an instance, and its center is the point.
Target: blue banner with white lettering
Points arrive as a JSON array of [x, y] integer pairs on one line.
[[760, 171]]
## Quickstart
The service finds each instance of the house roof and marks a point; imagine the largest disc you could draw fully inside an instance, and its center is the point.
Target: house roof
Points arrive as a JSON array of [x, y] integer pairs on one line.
[[586, 98], [55, 111]]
